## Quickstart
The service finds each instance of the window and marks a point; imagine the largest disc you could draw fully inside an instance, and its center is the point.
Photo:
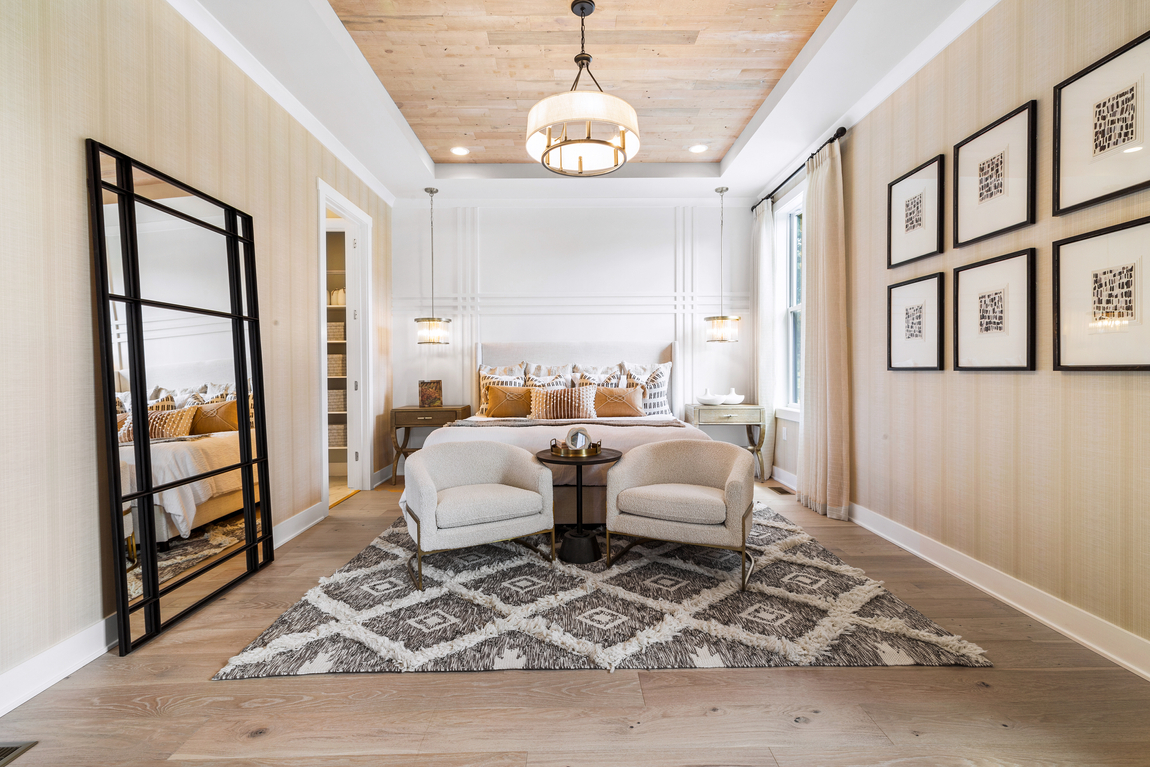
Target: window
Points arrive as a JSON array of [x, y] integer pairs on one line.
[[789, 244]]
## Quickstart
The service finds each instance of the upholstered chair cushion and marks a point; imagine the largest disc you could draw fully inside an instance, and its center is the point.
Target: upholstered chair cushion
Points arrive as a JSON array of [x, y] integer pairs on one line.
[[676, 502], [480, 504]]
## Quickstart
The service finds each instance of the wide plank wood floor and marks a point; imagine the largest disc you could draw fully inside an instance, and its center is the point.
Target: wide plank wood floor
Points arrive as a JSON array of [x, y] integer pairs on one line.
[[1047, 701]]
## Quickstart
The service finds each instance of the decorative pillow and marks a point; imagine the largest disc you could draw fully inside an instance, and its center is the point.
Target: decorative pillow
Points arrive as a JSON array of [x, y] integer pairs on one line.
[[656, 383], [486, 380], [508, 401], [213, 392], [610, 380], [218, 416], [162, 424], [123, 402], [563, 403], [162, 403], [120, 418], [544, 371], [546, 382], [619, 403], [600, 375], [183, 397]]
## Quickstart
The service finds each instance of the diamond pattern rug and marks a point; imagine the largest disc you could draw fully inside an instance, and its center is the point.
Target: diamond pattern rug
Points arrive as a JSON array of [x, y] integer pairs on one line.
[[664, 605]]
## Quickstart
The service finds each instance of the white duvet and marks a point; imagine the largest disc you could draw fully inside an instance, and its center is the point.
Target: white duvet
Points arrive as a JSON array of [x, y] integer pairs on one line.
[[536, 438], [172, 461]]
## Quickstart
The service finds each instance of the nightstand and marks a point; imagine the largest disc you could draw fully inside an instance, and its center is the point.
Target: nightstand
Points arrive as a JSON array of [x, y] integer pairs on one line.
[[408, 418], [750, 415]]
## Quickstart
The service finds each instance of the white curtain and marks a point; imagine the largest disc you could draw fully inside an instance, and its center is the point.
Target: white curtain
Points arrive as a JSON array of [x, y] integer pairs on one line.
[[824, 455], [763, 239]]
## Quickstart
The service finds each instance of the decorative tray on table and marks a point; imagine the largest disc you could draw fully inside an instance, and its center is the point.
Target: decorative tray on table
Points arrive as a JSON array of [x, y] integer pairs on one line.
[[577, 445]]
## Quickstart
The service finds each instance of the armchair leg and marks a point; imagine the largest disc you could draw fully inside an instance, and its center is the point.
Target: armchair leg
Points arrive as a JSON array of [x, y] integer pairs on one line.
[[416, 579], [552, 543], [608, 547]]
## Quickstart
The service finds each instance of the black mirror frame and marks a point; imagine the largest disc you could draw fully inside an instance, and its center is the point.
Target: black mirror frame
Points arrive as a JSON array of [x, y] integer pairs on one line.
[[246, 345]]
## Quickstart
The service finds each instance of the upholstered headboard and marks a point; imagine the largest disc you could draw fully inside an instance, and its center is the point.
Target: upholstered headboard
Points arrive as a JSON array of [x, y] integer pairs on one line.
[[580, 352], [183, 375]]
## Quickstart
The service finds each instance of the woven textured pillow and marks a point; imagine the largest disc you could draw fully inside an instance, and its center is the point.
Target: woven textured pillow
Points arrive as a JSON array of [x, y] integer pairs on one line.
[[508, 401], [218, 416], [619, 403], [162, 424], [549, 404], [486, 380], [656, 383]]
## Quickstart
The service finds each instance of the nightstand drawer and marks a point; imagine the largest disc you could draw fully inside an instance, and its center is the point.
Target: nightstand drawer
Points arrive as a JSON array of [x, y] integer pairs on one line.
[[415, 418], [720, 414]]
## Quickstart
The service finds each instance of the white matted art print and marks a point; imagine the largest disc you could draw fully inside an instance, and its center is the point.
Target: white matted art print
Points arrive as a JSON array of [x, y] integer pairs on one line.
[[1100, 147], [1100, 320], [994, 313], [914, 324], [914, 214], [994, 177]]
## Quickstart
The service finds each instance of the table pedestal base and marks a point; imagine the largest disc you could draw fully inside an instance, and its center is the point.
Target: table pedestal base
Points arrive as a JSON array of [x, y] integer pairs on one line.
[[580, 548]]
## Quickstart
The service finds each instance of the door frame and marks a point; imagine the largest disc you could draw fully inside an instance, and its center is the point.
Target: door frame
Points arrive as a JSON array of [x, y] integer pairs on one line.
[[357, 229]]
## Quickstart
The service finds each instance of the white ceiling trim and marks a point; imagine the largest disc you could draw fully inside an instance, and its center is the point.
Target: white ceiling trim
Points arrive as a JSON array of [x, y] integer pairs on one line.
[[935, 43], [219, 36]]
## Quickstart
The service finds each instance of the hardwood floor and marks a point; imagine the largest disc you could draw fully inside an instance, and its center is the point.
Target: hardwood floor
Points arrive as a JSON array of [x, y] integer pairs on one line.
[[1047, 701]]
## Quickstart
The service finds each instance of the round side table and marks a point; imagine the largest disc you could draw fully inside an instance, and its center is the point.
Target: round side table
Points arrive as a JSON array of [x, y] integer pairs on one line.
[[579, 547]]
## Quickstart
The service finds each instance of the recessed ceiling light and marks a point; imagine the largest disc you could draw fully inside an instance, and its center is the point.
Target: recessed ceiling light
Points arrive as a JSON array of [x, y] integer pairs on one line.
[[698, 148], [460, 150], [1133, 149]]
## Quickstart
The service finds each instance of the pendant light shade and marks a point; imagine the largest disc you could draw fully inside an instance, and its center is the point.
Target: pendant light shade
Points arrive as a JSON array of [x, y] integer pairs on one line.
[[722, 328], [582, 133], [433, 330]]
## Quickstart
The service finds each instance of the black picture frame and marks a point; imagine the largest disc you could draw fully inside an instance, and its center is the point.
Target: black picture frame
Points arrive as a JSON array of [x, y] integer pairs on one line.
[[941, 278], [257, 549], [941, 160], [1031, 174], [1031, 311], [1057, 182], [1058, 295]]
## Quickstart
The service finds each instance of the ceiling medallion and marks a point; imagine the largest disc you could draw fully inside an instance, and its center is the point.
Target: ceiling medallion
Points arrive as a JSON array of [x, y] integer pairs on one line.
[[583, 133]]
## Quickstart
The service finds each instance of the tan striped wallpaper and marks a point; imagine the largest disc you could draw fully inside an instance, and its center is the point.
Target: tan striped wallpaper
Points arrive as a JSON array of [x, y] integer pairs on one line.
[[135, 75], [1043, 475]]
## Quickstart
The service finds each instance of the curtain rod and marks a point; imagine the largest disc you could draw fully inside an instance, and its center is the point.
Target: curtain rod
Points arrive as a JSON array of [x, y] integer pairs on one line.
[[837, 135]]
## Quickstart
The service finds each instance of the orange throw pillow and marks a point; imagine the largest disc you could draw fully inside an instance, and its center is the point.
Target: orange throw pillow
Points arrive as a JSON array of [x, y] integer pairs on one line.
[[619, 403], [508, 401]]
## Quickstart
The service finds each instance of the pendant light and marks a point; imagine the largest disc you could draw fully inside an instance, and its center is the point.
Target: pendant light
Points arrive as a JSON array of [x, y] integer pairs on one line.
[[582, 133], [433, 330], [722, 328]]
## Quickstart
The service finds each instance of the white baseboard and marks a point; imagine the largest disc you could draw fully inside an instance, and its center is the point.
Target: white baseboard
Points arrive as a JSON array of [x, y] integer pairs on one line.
[[293, 526], [1125, 648], [381, 476], [790, 481], [38, 673]]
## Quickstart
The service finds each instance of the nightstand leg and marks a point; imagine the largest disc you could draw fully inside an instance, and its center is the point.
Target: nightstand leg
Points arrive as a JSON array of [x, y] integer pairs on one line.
[[756, 447], [399, 449]]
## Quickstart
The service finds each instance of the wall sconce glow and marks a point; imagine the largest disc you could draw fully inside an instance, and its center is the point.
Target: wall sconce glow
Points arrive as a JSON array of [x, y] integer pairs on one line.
[[460, 150], [1132, 149], [698, 148], [433, 330]]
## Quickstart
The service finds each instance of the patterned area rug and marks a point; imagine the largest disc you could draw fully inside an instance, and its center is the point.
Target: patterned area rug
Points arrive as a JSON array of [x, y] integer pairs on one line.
[[664, 605]]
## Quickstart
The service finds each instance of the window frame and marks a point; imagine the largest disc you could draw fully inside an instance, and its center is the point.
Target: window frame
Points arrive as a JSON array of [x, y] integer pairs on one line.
[[788, 212]]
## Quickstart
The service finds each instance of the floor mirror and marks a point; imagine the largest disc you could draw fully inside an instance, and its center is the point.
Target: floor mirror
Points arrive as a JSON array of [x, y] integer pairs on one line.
[[179, 350]]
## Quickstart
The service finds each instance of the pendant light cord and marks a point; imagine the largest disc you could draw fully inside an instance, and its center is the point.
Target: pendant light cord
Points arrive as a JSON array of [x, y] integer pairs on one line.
[[431, 197], [722, 217], [583, 60]]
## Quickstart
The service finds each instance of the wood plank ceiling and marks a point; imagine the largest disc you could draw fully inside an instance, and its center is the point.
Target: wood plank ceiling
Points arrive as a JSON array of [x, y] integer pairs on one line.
[[466, 72]]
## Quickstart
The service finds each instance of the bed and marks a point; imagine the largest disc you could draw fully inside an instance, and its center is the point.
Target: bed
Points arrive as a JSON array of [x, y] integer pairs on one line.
[[620, 434], [197, 503]]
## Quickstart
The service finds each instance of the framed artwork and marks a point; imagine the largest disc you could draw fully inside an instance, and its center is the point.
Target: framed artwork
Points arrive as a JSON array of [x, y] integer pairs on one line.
[[994, 313], [1100, 320], [431, 393], [914, 324], [914, 214], [995, 174], [1100, 148]]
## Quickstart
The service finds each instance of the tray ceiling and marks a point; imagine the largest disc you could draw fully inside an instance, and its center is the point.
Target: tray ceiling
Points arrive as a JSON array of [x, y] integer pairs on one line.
[[466, 72]]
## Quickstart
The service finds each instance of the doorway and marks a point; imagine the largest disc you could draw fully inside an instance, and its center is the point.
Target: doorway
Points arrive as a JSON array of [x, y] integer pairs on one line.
[[345, 341]]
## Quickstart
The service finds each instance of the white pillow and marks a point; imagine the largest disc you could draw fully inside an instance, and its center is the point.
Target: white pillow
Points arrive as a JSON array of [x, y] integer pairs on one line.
[[656, 383]]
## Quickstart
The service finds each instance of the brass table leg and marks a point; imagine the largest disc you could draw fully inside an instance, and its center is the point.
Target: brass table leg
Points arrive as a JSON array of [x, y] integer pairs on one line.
[[400, 450], [756, 448]]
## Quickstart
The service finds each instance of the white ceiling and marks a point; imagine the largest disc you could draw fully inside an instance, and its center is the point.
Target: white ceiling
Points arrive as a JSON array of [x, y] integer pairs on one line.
[[299, 51]]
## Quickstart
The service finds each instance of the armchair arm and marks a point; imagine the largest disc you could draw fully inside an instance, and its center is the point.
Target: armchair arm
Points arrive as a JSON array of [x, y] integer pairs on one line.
[[739, 490], [420, 492]]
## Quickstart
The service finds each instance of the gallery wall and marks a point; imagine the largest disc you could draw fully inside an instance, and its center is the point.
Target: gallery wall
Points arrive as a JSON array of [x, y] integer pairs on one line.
[[1042, 475], [135, 75], [622, 270]]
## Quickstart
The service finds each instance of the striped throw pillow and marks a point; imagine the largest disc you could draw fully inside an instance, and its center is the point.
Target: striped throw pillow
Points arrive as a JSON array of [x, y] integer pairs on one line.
[[549, 404], [544, 371], [546, 382], [487, 380], [610, 380], [162, 424], [656, 383]]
